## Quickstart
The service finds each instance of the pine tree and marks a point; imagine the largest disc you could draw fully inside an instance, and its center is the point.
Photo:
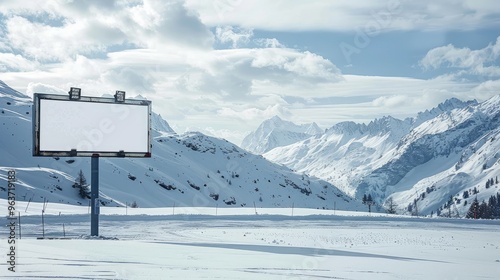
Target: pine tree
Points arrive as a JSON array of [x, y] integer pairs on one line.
[[473, 210], [492, 204], [465, 194], [474, 191], [496, 212], [391, 206], [415, 212], [81, 184], [484, 212]]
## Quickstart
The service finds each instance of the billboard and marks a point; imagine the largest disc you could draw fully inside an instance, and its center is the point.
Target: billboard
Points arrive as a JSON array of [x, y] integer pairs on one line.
[[90, 126]]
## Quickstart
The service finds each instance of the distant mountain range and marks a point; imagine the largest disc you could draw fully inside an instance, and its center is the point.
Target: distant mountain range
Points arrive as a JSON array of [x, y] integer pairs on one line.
[[190, 169], [440, 159]]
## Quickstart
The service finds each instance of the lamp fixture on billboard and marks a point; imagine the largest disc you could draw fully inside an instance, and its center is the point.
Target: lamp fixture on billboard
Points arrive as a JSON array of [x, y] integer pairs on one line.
[[120, 96], [75, 93]]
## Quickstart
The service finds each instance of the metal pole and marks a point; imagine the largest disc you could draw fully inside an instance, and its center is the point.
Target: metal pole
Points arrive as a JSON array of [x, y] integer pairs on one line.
[[27, 206], [94, 196], [43, 226]]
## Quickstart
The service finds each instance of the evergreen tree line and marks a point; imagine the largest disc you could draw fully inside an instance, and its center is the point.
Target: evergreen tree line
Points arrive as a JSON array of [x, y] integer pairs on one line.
[[485, 210], [491, 182]]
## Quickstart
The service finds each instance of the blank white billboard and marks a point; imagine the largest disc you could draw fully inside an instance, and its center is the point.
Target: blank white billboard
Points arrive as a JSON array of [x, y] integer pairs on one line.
[[91, 126]]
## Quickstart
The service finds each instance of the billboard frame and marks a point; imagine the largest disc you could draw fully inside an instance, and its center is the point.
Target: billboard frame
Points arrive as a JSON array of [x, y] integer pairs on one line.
[[38, 97]]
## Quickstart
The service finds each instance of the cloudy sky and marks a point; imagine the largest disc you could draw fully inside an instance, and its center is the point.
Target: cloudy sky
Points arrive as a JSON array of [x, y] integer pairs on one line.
[[222, 67]]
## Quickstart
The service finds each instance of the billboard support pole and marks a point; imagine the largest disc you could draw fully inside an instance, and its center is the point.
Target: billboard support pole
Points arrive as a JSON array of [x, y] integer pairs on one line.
[[94, 196]]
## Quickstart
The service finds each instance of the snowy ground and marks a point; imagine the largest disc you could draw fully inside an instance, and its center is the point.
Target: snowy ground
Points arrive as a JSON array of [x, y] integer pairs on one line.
[[195, 243]]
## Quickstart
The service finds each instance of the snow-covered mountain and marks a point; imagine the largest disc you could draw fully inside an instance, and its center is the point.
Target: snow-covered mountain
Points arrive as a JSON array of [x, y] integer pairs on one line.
[[276, 132], [191, 169], [442, 152]]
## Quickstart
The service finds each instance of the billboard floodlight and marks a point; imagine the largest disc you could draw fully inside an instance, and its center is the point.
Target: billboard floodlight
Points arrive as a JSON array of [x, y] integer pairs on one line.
[[75, 93], [120, 96]]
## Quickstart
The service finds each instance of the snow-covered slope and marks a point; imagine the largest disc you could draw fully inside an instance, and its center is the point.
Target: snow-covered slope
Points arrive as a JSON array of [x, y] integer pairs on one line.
[[441, 159], [190, 169], [435, 151], [344, 152], [276, 132]]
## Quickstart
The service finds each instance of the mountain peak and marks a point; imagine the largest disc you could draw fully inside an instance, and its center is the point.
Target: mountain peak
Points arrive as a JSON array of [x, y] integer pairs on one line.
[[446, 106], [160, 125], [6, 90], [347, 127], [276, 118], [455, 103], [276, 132], [276, 122]]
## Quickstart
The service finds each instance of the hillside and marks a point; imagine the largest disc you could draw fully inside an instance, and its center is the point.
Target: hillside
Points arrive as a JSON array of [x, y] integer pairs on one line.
[[191, 169]]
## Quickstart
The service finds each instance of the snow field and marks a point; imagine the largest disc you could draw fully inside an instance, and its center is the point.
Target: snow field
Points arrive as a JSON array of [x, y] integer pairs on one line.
[[196, 244]]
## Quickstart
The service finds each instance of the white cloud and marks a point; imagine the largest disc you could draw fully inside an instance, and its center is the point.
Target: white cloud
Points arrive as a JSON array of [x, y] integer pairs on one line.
[[169, 22], [91, 27], [48, 43], [232, 73], [43, 88], [15, 62], [475, 61], [269, 43], [236, 36], [486, 89], [343, 15], [313, 65], [255, 113], [391, 101]]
